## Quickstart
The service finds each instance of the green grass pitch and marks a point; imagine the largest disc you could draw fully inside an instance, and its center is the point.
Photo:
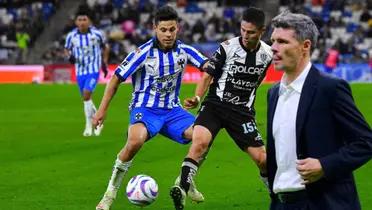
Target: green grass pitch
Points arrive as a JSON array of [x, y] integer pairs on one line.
[[46, 163]]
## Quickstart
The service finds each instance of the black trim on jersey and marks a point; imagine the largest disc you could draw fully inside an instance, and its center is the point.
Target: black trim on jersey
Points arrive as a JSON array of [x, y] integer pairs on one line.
[[216, 63]]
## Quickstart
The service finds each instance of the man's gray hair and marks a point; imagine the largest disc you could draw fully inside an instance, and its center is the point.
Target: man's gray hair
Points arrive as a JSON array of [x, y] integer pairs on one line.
[[303, 26]]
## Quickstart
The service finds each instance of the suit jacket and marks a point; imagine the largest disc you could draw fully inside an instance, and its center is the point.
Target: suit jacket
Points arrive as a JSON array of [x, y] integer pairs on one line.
[[329, 127]]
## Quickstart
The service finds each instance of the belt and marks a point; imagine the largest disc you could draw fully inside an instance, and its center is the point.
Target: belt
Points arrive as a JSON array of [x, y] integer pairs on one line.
[[291, 197]]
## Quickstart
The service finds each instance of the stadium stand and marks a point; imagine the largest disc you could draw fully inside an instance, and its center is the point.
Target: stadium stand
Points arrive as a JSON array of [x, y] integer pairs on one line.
[[21, 22], [345, 25]]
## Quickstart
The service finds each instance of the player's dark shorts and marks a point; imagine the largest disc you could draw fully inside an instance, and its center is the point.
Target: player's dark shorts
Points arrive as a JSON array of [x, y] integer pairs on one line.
[[241, 126]]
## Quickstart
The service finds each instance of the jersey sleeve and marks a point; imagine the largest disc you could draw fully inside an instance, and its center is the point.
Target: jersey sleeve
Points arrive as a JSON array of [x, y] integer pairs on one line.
[[216, 62], [68, 43], [101, 36], [195, 57], [131, 64]]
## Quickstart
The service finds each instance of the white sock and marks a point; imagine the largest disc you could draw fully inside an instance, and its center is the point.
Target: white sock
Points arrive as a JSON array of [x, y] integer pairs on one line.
[[93, 108], [89, 110], [120, 169]]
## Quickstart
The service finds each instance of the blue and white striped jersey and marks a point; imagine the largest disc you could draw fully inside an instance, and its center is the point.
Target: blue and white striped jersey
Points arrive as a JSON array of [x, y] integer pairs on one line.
[[87, 49], [157, 75]]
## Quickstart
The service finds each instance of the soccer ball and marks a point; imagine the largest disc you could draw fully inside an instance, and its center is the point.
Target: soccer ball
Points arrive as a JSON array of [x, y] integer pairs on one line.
[[142, 190]]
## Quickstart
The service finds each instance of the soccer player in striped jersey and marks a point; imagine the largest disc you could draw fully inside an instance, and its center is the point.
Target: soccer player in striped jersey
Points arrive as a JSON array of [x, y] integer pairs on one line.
[[86, 47], [156, 68]]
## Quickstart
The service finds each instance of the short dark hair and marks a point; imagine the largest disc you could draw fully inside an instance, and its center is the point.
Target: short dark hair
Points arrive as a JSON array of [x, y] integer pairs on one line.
[[165, 13], [254, 15], [84, 11]]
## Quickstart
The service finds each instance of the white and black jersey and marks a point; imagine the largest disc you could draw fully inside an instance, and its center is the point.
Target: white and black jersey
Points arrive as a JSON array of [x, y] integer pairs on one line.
[[237, 72]]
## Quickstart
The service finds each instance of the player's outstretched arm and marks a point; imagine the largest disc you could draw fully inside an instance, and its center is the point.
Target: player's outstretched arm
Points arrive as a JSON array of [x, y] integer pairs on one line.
[[105, 59], [201, 89], [110, 91]]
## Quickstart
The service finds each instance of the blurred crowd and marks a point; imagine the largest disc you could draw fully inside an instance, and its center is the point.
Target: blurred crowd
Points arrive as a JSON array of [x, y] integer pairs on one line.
[[345, 29], [21, 21], [345, 26], [128, 24]]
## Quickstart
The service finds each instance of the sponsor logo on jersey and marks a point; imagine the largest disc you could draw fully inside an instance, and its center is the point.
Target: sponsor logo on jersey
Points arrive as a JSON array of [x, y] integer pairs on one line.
[[218, 51], [163, 90], [167, 78], [235, 55], [93, 40], [241, 68], [151, 68], [241, 82]]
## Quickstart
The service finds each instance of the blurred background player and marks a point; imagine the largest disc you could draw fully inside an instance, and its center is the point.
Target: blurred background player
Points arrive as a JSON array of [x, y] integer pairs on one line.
[[86, 47], [157, 68], [236, 69]]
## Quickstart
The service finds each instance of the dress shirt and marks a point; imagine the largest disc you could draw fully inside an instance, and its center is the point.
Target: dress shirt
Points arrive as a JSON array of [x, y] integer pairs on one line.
[[287, 178]]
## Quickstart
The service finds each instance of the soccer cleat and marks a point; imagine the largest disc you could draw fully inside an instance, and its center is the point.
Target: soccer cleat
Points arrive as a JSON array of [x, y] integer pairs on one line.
[[88, 131], [97, 131], [107, 200], [193, 193], [178, 196]]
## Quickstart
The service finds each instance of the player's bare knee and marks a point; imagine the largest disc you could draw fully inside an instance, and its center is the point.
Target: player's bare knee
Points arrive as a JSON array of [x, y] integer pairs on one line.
[[201, 145], [134, 143]]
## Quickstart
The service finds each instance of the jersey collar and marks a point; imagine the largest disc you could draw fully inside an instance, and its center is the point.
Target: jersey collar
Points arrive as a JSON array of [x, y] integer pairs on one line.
[[249, 50], [89, 30], [156, 44]]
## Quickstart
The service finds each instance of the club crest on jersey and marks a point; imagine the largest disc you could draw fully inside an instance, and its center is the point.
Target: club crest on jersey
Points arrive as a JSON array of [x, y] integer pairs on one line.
[[263, 58], [138, 116], [181, 62]]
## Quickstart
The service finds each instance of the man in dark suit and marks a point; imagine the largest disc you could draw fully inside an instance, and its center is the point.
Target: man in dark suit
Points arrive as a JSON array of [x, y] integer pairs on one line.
[[316, 134]]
